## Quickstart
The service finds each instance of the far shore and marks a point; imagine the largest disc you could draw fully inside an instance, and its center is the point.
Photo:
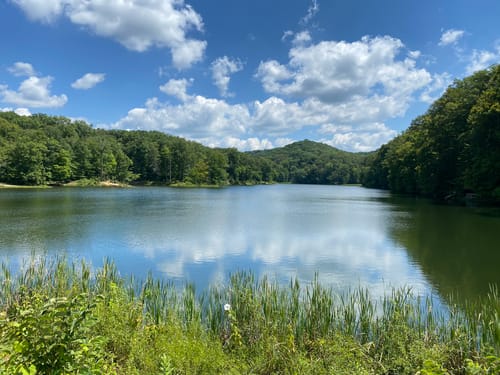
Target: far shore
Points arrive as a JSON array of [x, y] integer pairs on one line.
[[109, 183], [78, 183], [8, 186]]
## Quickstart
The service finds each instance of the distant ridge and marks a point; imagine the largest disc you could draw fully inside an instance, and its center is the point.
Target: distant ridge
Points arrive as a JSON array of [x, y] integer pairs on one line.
[[53, 150]]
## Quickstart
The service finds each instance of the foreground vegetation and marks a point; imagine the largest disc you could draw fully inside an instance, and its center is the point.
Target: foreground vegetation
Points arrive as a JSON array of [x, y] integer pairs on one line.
[[60, 318]]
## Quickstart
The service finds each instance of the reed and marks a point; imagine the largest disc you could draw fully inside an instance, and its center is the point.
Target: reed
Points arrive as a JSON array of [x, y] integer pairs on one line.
[[265, 325]]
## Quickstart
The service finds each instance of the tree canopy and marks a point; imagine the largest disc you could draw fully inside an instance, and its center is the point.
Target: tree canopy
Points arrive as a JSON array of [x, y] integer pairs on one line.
[[451, 151], [42, 149]]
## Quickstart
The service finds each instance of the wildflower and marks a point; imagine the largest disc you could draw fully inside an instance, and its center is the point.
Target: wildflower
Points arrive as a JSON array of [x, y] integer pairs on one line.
[[227, 307]]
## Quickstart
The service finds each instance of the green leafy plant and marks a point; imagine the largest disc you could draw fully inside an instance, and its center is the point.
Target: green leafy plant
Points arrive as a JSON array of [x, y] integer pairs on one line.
[[51, 336]]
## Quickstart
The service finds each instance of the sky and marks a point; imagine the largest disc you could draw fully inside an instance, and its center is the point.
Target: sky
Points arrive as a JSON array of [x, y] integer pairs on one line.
[[250, 74]]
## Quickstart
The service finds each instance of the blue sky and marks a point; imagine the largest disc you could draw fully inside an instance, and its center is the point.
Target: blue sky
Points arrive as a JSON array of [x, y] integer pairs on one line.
[[237, 73]]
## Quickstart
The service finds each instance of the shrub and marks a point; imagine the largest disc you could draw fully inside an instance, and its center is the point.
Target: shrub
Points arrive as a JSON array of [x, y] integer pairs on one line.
[[51, 336]]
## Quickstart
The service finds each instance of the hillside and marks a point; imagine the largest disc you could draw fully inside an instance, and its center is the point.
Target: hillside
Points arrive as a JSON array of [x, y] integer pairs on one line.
[[41, 150], [308, 162], [453, 150]]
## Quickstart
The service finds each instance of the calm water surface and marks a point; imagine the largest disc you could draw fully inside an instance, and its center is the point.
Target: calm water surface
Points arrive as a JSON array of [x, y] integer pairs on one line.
[[348, 236]]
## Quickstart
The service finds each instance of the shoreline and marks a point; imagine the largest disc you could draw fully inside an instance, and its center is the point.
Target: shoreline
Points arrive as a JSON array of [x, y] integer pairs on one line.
[[77, 183]]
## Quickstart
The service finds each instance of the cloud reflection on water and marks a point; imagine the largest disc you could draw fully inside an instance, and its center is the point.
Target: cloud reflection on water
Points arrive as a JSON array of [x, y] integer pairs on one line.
[[345, 242], [342, 234]]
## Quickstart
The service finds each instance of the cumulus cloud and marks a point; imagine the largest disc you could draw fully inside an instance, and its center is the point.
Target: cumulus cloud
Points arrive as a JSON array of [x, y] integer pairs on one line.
[[302, 38], [22, 111], [451, 36], [343, 92], [187, 53], [482, 59], [434, 90], [248, 144], [88, 81], [46, 11], [257, 125], [362, 138], [177, 88], [414, 54], [34, 92], [338, 72], [19, 111], [197, 118], [271, 73], [222, 68], [20, 69], [137, 25]]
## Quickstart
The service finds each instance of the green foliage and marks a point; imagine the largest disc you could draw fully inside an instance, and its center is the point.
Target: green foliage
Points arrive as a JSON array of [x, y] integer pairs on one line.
[[51, 336], [60, 318], [308, 162], [488, 365], [451, 151], [41, 149]]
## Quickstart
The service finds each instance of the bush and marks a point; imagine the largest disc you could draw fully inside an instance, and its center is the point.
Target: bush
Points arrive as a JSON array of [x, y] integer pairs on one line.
[[51, 336]]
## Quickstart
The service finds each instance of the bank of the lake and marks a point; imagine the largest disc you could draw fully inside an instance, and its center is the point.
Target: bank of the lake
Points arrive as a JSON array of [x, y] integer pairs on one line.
[[60, 317], [77, 183], [9, 186]]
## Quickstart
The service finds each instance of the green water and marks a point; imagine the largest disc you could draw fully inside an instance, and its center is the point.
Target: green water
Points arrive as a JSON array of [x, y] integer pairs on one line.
[[348, 236]]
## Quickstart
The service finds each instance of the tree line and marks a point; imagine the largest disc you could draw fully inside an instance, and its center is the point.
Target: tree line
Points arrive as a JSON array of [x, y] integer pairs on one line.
[[450, 152], [42, 149], [308, 162]]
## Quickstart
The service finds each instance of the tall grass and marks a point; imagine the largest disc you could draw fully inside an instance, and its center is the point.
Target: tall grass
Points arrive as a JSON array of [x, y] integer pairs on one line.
[[265, 328]]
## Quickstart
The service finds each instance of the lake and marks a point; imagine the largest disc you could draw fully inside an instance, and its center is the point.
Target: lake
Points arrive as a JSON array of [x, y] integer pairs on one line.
[[347, 236]]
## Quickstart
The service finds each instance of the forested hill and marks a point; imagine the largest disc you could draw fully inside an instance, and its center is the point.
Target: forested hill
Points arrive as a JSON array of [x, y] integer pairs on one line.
[[41, 149], [452, 150], [449, 152], [309, 162]]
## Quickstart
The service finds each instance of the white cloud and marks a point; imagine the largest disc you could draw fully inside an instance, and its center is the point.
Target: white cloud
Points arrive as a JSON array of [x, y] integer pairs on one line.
[[187, 53], [276, 117], [259, 125], [22, 111], [342, 92], [88, 81], [247, 144], [436, 88], [271, 73], [451, 36], [136, 24], [45, 11], [482, 60], [19, 111], [177, 88], [20, 69], [34, 92], [302, 38], [197, 118], [414, 54], [222, 68], [338, 72], [362, 138]]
